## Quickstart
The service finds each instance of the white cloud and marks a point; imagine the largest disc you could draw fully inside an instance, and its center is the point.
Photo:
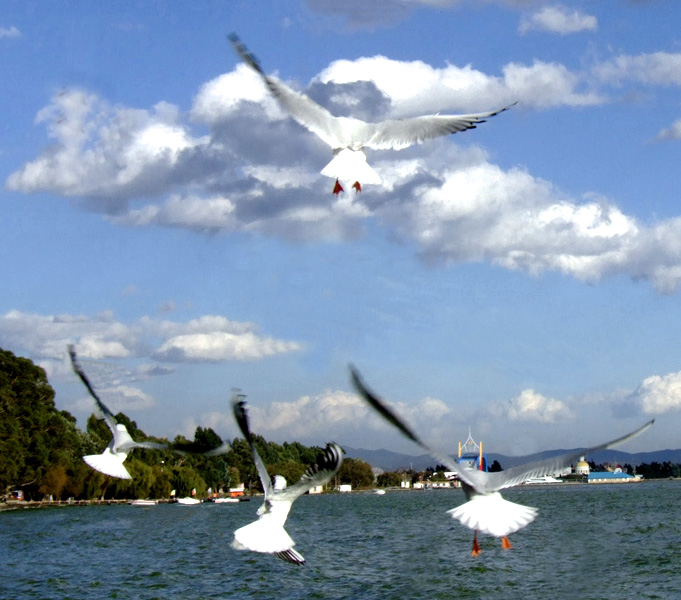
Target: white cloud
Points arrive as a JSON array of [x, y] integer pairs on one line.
[[558, 19], [326, 416], [659, 394], [9, 32], [417, 88], [334, 415], [671, 133], [220, 98], [221, 346], [657, 68], [210, 338], [121, 398], [532, 406], [258, 171], [106, 152]]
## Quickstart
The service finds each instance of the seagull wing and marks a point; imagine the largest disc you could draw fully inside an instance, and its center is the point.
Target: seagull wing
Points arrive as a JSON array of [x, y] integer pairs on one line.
[[382, 408], [327, 465], [490, 482], [400, 133], [303, 109], [241, 416], [107, 415], [127, 446], [481, 481]]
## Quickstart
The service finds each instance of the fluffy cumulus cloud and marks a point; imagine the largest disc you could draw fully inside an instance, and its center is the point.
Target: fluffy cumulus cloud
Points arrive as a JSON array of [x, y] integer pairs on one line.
[[253, 169], [656, 68], [532, 406], [323, 416], [108, 153], [558, 19], [335, 415], [207, 339], [417, 88], [659, 394]]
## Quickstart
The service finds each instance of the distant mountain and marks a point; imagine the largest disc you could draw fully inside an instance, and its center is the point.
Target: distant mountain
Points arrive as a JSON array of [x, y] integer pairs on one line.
[[392, 461]]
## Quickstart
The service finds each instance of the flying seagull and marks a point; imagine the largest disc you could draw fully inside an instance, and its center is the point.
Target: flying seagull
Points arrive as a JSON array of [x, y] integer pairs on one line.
[[267, 534], [485, 510], [110, 462], [348, 137]]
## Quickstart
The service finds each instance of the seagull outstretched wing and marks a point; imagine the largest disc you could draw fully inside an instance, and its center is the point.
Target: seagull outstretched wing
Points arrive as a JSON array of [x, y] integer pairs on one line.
[[105, 413], [483, 482], [397, 134], [302, 108], [241, 416], [327, 465]]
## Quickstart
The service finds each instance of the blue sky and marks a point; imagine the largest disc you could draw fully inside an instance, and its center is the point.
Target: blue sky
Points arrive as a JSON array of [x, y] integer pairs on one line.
[[163, 213]]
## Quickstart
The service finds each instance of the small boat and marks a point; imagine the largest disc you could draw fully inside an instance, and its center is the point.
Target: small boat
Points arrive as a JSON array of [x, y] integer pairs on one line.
[[143, 502], [188, 500], [379, 492], [542, 480], [224, 500]]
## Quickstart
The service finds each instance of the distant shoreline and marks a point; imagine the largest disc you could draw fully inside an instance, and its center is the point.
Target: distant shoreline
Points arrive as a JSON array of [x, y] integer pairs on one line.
[[27, 504]]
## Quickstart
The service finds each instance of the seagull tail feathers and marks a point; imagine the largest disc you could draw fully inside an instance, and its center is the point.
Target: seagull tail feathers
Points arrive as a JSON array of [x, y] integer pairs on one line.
[[493, 515], [351, 165], [109, 464], [261, 536]]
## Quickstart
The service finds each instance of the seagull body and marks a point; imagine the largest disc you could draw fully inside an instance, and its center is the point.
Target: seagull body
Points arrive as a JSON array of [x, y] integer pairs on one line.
[[267, 534], [486, 510], [110, 462], [348, 137]]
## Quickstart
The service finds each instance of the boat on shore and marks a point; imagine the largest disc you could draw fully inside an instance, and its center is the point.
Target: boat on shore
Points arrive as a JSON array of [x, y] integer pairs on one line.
[[143, 502], [544, 479], [188, 500]]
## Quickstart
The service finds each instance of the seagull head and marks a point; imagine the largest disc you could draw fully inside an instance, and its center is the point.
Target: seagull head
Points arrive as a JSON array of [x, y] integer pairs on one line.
[[279, 482]]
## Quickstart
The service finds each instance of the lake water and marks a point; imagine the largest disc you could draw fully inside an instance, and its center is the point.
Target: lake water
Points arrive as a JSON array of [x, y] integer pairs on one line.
[[588, 542]]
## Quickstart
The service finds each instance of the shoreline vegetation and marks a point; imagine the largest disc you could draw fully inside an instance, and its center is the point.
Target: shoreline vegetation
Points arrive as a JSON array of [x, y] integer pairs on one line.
[[42, 449]]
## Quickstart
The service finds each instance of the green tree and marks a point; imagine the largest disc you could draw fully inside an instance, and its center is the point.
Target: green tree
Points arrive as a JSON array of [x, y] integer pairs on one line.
[[356, 472], [35, 437], [389, 479]]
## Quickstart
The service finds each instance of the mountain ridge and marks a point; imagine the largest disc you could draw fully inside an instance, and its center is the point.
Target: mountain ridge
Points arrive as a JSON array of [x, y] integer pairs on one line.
[[388, 460]]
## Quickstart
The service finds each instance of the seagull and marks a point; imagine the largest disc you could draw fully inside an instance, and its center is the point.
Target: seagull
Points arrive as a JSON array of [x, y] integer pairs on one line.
[[485, 509], [267, 534], [348, 137], [110, 462]]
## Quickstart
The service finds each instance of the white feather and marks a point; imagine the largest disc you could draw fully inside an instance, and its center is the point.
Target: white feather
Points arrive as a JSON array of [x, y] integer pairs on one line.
[[108, 463], [347, 134], [493, 515], [267, 534]]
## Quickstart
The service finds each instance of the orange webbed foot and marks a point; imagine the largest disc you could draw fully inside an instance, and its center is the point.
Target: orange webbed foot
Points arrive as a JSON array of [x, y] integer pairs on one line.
[[505, 543], [338, 188], [476, 546], [357, 186]]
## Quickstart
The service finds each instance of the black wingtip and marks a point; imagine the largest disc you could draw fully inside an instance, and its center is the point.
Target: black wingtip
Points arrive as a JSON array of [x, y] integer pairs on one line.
[[242, 50], [77, 369], [291, 556], [382, 407], [241, 414]]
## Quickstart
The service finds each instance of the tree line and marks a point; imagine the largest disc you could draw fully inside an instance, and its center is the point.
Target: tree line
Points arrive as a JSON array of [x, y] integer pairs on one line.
[[41, 450]]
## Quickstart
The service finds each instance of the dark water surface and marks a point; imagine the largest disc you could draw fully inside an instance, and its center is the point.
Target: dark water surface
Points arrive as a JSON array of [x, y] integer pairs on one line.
[[589, 542]]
